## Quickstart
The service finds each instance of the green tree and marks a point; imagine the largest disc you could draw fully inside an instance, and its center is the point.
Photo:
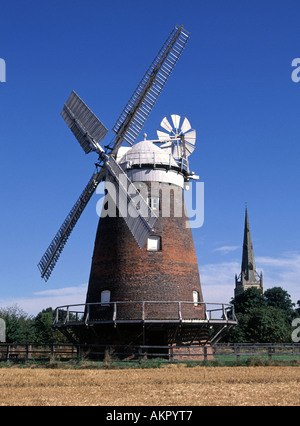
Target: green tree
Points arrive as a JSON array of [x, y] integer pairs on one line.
[[44, 332], [279, 298], [238, 334], [264, 318], [297, 310], [19, 326], [268, 325], [248, 300], [24, 329]]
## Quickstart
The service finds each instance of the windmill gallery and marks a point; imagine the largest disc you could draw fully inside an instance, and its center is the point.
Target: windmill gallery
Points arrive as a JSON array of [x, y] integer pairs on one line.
[[144, 286]]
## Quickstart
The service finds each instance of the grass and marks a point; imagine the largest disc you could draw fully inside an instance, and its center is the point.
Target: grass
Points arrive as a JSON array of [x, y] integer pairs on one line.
[[114, 364]]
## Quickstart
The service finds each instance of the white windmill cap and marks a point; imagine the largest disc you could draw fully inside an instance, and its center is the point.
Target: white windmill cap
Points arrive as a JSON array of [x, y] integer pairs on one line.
[[145, 152]]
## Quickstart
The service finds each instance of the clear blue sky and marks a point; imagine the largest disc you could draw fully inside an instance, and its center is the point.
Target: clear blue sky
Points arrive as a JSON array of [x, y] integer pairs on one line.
[[233, 82]]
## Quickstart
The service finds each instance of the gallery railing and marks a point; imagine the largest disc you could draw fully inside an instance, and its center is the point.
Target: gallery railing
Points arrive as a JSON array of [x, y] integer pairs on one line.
[[144, 311]]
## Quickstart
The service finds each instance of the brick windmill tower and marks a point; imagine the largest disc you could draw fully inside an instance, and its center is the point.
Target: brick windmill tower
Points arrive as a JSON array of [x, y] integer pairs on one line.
[[144, 285], [156, 281]]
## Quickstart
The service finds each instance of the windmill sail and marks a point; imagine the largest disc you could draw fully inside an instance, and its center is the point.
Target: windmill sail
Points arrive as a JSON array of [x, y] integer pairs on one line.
[[85, 126], [143, 219], [51, 255], [135, 113], [139, 224]]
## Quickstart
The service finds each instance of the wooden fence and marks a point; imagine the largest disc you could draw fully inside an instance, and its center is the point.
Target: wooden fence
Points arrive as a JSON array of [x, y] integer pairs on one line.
[[236, 351], [247, 350], [28, 352]]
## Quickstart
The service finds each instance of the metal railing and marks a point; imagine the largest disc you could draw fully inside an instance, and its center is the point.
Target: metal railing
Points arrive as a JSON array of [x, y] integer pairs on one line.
[[144, 311], [157, 159]]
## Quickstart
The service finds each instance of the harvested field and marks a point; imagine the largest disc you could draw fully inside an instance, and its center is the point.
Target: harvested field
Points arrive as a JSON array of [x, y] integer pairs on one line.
[[171, 385]]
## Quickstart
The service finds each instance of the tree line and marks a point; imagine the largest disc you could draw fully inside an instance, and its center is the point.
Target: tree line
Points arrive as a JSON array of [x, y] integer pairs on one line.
[[262, 318], [24, 329]]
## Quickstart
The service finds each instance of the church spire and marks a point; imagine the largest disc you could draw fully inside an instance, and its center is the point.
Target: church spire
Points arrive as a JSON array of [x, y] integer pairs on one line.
[[248, 276], [248, 262]]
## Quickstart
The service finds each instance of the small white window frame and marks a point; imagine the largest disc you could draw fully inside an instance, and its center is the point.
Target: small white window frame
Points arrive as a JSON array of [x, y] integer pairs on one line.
[[153, 202], [154, 243], [196, 297], [105, 297]]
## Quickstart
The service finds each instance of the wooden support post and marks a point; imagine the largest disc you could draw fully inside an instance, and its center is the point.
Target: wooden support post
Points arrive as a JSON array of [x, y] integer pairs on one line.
[[28, 352], [7, 352], [171, 356], [237, 352], [270, 352], [52, 352], [140, 352], [205, 353]]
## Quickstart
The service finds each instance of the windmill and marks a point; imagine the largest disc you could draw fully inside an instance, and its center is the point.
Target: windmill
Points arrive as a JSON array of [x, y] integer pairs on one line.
[[144, 284], [89, 131]]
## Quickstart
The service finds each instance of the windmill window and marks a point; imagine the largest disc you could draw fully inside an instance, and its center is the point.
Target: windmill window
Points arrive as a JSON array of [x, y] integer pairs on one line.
[[195, 298], [153, 202], [105, 297], [154, 243]]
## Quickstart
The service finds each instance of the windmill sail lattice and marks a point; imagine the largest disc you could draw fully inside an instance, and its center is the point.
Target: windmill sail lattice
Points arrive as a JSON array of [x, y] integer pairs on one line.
[[51, 256], [85, 126], [135, 113], [141, 223], [89, 131]]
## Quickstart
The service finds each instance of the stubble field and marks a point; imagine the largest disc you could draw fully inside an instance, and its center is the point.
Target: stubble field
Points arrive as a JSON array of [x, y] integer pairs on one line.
[[167, 386]]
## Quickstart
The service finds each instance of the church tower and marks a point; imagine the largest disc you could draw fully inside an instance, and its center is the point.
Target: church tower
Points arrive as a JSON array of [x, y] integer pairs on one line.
[[248, 276]]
